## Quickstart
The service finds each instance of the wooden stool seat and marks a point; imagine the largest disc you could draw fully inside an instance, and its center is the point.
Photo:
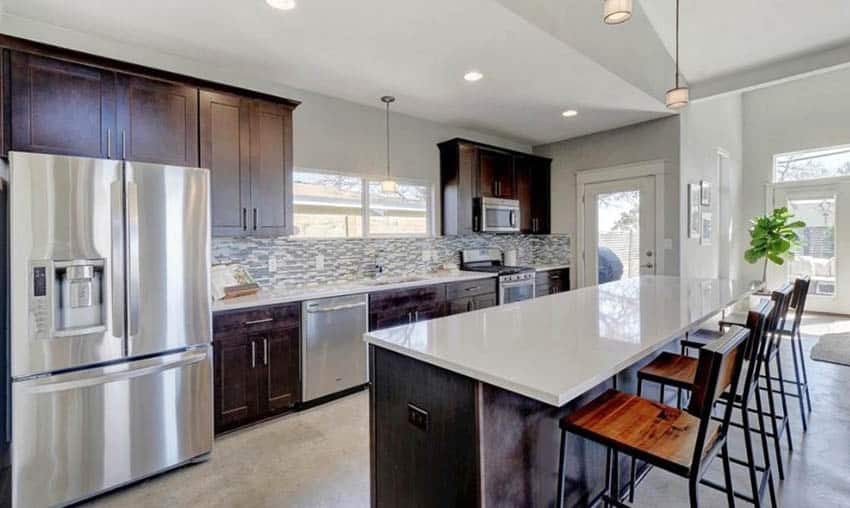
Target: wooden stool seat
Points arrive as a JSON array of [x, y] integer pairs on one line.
[[671, 369], [663, 436]]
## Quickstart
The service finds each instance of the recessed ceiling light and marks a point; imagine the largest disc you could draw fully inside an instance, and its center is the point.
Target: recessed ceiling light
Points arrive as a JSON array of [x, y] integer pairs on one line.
[[284, 5], [473, 76], [569, 113]]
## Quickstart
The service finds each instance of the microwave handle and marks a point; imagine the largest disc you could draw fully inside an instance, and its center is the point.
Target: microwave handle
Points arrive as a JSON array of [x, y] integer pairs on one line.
[[513, 217]]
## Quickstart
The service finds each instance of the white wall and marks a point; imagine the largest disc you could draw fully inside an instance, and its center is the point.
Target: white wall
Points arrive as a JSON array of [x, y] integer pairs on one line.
[[807, 113], [653, 140], [708, 126], [329, 133]]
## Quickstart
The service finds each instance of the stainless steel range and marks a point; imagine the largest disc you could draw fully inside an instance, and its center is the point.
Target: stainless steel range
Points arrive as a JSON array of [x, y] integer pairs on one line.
[[516, 283], [110, 324]]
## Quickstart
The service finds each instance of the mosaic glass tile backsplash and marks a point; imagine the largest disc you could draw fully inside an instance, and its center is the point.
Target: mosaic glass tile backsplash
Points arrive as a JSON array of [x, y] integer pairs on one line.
[[352, 259]]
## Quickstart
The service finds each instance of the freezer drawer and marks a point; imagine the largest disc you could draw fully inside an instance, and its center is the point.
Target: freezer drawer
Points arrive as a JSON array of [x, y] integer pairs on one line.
[[77, 434], [333, 350]]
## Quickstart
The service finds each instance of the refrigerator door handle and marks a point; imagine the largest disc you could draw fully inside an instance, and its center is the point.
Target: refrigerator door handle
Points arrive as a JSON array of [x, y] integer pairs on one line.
[[77, 380], [117, 260], [132, 258]]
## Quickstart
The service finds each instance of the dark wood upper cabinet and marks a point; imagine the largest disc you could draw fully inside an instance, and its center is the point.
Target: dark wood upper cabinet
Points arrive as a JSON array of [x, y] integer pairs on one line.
[[470, 170], [495, 174], [157, 121], [271, 168], [532, 191], [225, 151], [61, 107]]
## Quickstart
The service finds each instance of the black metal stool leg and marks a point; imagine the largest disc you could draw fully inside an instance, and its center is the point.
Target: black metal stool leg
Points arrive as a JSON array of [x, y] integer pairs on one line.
[[771, 404], [727, 475], [803, 365], [784, 399], [798, 382], [632, 474], [751, 462], [764, 449], [562, 469]]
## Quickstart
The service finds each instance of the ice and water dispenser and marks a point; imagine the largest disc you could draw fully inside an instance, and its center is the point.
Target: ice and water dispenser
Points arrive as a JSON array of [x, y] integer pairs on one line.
[[68, 297]]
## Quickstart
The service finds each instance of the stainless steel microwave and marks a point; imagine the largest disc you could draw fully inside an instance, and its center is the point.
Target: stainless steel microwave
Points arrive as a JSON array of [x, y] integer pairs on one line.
[[493, 215]]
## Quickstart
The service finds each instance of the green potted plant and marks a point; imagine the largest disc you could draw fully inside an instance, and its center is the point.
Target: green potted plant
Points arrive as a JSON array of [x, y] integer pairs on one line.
[[772, 237]]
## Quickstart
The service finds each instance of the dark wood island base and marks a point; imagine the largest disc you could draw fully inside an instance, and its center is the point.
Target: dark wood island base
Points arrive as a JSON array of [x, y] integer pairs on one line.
[[441, 439]]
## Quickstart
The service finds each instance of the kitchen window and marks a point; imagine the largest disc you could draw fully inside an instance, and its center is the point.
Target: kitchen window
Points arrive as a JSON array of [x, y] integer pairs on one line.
[[334, 205], [812, 164]]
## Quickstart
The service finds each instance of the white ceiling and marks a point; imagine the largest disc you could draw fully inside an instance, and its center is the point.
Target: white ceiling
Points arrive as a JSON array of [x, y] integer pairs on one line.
[[722, 37], [539, 57], [359, 50]]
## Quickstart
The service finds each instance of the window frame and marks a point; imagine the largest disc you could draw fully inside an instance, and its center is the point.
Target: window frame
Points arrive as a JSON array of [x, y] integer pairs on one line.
[[365, 180], [819, 179]]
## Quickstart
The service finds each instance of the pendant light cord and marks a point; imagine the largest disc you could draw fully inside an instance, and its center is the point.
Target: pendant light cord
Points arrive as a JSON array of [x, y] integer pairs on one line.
[[677, 43], [388, 139]]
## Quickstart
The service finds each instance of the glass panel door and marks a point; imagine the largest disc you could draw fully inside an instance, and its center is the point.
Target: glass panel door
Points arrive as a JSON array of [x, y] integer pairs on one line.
[[824, 251], [619, 230]]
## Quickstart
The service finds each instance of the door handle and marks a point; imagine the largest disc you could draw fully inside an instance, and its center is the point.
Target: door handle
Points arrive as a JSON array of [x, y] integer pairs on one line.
[[118, 309], [253, 354], [133, 292], [265, 351], [475, 223]]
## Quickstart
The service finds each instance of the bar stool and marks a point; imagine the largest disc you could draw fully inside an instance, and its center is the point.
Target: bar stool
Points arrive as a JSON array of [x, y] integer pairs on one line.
[[683, 442], [680, 371], [780, 423], [791, 330]]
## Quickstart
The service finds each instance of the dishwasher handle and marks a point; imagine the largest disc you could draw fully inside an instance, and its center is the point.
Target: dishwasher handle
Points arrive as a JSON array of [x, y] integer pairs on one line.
[[315, 308]]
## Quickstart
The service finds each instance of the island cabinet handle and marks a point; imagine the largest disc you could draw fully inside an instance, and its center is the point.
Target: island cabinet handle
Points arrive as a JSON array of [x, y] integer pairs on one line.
[[473, 288], [257, 322]]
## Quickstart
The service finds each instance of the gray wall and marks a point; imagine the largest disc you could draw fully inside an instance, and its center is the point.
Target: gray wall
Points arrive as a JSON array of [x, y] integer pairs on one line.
[[709, 126], [808, 113], [653, 140]]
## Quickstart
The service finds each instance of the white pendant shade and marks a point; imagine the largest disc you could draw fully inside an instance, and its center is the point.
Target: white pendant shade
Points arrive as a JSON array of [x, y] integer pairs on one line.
[[389, 186], [617, 11], [677, 98]]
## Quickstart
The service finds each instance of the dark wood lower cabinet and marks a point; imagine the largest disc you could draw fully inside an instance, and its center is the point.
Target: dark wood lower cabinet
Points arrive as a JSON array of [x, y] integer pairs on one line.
[[471, 303], [404, 306], [552, 282], [257, 366]]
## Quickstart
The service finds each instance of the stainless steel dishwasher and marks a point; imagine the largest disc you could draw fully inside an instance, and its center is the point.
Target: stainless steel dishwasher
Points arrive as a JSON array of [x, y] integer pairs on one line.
[[332, 349]]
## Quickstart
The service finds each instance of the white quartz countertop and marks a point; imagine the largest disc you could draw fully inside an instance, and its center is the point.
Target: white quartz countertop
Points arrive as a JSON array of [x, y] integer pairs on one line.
[[277, 296], [555, 348]]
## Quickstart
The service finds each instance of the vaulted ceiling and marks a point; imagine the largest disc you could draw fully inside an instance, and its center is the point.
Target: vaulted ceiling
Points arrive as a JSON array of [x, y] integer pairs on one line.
[[538, 57]]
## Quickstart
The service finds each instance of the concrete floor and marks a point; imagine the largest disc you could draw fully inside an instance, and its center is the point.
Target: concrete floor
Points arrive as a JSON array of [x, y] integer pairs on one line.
[[320, 457]]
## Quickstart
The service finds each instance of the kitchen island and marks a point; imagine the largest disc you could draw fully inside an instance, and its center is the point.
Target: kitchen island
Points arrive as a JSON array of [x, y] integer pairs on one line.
[[464, 410]]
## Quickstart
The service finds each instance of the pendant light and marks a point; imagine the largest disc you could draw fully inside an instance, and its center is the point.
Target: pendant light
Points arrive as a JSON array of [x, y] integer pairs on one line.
[[389, 185], [677, 97], [617, 11]]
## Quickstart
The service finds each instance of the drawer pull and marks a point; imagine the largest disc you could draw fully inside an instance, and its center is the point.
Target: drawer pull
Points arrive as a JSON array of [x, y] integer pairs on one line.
[[473, 288], [257, 322]]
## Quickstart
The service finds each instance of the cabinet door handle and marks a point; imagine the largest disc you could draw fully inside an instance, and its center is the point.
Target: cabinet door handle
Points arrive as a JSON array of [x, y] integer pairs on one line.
[[244, 219], [417, 315], [255, 219], [253, 354], [123, 144], [409, 317], [475, 223], [257, 321], [473, 288], [265, 351], [108, 143]]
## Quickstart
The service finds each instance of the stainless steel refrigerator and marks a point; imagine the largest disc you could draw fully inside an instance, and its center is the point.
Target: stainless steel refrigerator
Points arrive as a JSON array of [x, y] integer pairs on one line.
[[109, 321]]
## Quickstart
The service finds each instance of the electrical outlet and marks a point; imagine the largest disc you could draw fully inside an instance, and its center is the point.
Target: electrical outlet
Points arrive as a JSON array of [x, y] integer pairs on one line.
[[320, 262], [272, 263], [417, 417]]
